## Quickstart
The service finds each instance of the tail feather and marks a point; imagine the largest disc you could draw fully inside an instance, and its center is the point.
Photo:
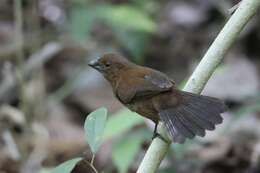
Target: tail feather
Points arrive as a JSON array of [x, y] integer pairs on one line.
[[196, 114], [172, 129], [180, 126], [193, 126], [209, 112]]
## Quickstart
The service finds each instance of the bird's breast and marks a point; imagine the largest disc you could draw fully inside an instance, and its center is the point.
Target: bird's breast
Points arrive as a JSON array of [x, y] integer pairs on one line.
[[144, 108]]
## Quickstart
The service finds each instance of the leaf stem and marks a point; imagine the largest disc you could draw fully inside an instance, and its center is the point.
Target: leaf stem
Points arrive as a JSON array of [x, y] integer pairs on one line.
[[92, 159], [94, 169], [92, 163]]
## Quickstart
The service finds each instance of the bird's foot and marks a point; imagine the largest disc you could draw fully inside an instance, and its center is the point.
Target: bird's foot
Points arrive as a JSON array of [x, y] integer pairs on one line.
[[155, 135]]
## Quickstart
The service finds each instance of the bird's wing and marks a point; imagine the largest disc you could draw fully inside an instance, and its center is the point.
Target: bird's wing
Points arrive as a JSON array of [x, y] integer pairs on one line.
[[145, 85]]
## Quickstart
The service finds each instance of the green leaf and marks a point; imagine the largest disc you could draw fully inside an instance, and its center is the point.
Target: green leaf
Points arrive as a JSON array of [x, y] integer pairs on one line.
[[121, 122], [67, 166], [94, 127], [131, 25], [128, 17], [81, 23], [134, 42], [124, 152]]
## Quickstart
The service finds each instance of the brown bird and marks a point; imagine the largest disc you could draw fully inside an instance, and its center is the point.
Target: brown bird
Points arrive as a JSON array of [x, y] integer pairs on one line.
[[153, 95]]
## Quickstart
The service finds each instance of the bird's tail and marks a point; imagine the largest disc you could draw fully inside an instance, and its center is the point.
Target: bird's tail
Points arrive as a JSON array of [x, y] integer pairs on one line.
[[196, 114]]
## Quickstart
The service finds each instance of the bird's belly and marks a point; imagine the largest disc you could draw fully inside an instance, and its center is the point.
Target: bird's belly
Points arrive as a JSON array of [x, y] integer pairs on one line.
[[144, 108]]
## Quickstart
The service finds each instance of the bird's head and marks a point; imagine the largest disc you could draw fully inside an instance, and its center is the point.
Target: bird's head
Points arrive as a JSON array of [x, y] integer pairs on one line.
[[110, 64]]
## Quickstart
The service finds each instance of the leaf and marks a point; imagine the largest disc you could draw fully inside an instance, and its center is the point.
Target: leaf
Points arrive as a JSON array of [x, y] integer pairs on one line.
[[128, 17], [81, 21], [67, 166], [121, 122], [124, 152], [134, 42], [94, 127], [131, 25], [132, 28]]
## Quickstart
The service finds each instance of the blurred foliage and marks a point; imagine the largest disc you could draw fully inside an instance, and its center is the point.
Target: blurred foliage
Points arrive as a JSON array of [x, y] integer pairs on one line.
[[128, 148], [126, 17], [168, 170], [127, 144], [117, 124], [132, 27], [45, 170], [249, 108]]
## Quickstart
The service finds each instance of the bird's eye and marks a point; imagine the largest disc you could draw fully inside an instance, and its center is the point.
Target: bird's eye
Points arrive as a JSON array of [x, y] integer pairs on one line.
[[107, 64]]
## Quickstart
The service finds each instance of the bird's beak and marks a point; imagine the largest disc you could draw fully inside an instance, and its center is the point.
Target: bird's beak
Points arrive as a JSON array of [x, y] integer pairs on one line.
[[95, 64]]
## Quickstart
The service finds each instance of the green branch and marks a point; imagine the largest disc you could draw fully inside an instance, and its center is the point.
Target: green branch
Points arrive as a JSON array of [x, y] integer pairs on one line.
[[158, 149]]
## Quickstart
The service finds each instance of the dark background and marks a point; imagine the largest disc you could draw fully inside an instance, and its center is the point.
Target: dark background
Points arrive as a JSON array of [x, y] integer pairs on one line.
[[47, 88]]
